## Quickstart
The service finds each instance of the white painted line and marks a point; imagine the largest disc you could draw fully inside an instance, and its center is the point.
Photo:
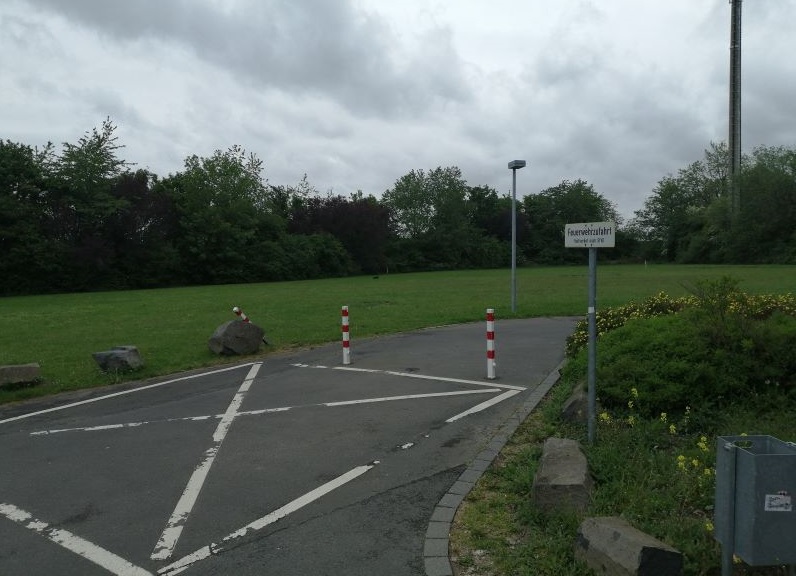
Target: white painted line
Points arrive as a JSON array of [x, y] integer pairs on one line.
[[484, 405], [456, 380], [264, 411], [137, 424], [259, 524], [89, 428], [420, 376], [91, 552], [350, 369], [171, 534], [408, 397], [122, 393]]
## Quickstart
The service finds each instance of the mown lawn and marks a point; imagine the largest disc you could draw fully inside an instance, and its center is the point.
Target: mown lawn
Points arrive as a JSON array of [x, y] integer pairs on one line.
[[171, 326]]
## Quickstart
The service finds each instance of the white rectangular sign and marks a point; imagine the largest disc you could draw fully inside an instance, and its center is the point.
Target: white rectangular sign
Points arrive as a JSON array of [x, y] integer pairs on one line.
[[590, 235], [778, 503]]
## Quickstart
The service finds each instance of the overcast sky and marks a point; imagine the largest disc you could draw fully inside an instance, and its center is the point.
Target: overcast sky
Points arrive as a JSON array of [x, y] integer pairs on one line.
[[356, 93]]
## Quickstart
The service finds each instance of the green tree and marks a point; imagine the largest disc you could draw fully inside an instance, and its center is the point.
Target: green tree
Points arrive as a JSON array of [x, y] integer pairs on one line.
[[765, 230], [688, 217], [675, 223], [31, 260], [360, 224], [221, 202], [432, 222], [411, 205], [82, 204], [552, 209], [142, 233]]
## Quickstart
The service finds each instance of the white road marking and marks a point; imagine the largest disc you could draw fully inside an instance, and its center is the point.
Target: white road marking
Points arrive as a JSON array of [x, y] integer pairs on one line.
[[484, 405], [456, 380], [419, 376], [171, 534], [91, 552], [350, 369], [145, 422], [267, 411], [121, 426], [122, 393], [409, 397], [260, 523]]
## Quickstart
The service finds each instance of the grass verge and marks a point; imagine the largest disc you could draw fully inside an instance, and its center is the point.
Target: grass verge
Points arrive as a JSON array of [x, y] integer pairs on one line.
[[171, 326], [653, 467]]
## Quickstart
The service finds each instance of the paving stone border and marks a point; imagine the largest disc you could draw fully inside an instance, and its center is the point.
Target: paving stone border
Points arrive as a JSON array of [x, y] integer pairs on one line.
[[437, 542]]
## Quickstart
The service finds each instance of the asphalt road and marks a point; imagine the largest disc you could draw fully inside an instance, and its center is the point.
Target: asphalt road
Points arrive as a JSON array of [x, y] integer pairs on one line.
[[292, 465]]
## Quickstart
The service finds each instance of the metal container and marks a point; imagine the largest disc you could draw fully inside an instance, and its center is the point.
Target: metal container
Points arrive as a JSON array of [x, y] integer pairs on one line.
[[755, 490]]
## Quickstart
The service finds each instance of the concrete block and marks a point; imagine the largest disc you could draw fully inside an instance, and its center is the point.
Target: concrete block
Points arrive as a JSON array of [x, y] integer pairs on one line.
[[576, 408], [19, 373], [562, 480], [611, 546]]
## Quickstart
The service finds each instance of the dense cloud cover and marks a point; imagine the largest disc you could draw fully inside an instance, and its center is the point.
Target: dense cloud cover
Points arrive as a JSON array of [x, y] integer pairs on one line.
[[356, 93]]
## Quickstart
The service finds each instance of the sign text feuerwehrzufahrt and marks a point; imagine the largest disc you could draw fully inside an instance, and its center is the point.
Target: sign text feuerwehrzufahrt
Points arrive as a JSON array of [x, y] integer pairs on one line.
[[590, 235]]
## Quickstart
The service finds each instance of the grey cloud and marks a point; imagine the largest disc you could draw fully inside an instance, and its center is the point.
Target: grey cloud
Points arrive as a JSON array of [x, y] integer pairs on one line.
[[319, 46]]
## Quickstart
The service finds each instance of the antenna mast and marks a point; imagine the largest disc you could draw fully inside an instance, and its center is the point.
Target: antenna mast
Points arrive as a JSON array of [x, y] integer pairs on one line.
[[735, 108]]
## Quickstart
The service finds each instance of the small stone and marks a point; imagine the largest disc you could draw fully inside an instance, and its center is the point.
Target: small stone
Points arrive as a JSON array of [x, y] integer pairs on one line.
[[119, 359]]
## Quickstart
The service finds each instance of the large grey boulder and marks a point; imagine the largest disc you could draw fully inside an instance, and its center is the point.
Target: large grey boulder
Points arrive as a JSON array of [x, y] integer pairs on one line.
[[19, 373], [562, 480], [119, 359], [236, 337], [610, 545]]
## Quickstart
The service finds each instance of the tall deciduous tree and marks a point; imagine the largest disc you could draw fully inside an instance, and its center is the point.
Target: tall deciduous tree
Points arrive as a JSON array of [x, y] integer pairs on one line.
[[684, 217], [766, 229], [29, 260], [360, 223], [143, 232], [80, 195], [411, 205], [432, 220], [220, 201], [552, 209]]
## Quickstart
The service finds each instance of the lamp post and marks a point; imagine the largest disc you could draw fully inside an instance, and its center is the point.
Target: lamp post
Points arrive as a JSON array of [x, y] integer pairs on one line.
[[514, 165]]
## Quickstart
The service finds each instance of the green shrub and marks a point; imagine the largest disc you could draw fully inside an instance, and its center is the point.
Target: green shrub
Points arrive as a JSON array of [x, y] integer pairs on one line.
[[714, 300], [674, 362], [709, 349], [612, 318], [662, 358]]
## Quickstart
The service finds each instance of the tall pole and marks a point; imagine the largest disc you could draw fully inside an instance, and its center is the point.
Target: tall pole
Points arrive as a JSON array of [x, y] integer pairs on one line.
[[735, 108], [591, 379], [514, 165], [513, 240]]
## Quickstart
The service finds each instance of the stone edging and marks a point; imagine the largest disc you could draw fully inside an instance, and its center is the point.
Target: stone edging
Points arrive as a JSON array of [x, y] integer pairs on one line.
[[435, 547]]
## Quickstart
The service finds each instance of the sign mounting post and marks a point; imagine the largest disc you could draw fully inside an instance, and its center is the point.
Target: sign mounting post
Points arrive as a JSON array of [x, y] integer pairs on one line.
[[591, 235]]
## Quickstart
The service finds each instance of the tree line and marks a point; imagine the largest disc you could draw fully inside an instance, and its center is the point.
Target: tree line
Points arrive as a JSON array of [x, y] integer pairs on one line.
[[85, 219]]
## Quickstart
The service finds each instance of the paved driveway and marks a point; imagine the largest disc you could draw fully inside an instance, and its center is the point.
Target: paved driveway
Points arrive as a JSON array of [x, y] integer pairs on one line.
[[292, 465]]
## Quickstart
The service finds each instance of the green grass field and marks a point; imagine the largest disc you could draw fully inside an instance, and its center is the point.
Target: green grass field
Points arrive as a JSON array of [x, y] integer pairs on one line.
[[171, 326]]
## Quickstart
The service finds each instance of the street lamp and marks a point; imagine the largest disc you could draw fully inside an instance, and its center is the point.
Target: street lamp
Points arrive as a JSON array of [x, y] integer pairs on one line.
[[514, 165]]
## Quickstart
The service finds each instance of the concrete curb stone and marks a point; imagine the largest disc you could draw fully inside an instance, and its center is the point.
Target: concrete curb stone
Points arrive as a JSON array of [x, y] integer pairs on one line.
[[436, 546]]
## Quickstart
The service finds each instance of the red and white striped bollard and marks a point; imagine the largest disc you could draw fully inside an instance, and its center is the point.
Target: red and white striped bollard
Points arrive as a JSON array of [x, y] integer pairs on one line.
[[490, 343], [239, 312], [346, 341]]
